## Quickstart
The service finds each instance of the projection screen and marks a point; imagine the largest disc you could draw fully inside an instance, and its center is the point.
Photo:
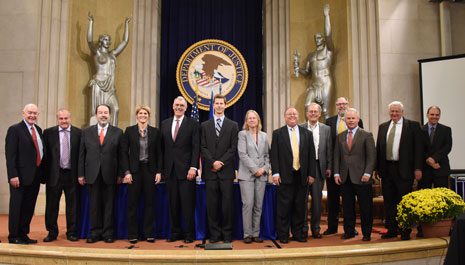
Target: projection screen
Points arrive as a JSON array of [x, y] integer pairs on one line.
[[442, 82]]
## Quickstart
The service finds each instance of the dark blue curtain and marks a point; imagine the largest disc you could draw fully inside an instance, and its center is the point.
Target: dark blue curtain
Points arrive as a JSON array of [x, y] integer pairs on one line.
[[185, 22]]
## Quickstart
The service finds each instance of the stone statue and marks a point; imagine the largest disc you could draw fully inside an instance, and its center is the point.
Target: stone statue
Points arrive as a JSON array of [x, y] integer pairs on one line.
[[102, 84], [319, 65]]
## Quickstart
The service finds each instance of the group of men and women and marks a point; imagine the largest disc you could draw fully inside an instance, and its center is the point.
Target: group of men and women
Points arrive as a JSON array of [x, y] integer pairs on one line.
[[301, 159]]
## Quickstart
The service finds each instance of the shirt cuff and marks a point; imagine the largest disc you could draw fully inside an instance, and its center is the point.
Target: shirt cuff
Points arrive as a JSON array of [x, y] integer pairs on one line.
[[368, 175], [194, 168]]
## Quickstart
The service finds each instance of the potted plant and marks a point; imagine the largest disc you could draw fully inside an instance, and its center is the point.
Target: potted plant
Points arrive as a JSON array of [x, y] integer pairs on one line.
[[428, 207]]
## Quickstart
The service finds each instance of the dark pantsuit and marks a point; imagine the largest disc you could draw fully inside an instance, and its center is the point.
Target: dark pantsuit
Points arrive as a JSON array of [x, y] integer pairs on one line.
[[181, 194], [101, 198], [290, 199], [393, 190], [22, 205], [223, 189], [142, 185], [68, 185], [364, 195]]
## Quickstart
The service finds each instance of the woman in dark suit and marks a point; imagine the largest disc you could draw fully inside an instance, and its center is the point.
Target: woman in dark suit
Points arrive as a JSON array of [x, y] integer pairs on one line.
[[254, 164], [142, 169]]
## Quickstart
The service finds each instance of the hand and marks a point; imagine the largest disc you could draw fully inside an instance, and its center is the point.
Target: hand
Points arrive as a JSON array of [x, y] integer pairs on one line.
[[276, 180], [127, 179], [337, 180], [127, 20], [191, 174], [326, 10], [365, 178], [14, 182], [217, 165], [328, 173], [430, 161], [157, 178], [90, 17], [82, 181], [310, 180], [436, 166], [418, 174], [259, 172]]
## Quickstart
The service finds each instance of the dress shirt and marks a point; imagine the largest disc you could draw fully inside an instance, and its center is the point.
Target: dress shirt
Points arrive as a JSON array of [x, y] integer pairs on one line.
[[316, 136], [297, 133], [105, 129], [173, 125], [62, 135], [39, 139], [396, 143], [221, 120], [143, 145]]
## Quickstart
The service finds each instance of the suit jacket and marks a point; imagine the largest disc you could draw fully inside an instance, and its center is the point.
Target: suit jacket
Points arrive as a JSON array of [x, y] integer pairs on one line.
[[183, 153], [20, 153], [281, 155], [359, 160], [410, 149], [130, 147], [325, 148], [95, 158], [222, 148], [52, 143], [332, 122], [439, 148], [253, 155]]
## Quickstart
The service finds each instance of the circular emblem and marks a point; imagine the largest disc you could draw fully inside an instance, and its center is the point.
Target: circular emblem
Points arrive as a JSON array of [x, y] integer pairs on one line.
[[211, 66]]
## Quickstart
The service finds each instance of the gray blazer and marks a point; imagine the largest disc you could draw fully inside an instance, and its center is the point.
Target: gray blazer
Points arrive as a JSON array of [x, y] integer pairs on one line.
[[325, 148], [359, 160], [253, 156]]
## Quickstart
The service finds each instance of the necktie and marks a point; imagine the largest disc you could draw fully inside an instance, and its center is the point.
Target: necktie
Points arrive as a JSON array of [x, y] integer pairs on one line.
[[341, 126], [390, 142], [142, 133], [349, 139], [176, 130], [218, 127], [64, 158], [101, 136], [36, 144], [431, 134], [295, 150]]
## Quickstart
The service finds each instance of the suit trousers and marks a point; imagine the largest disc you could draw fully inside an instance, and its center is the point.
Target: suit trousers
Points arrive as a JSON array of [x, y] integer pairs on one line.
[[181, 194], [101, 208], [429, 179], [394, 187], [219, 193], [316, 191], [364, 194], [53, 195], [290, 207], [22, 205], [333, 204], [143, 185], [252, 193]]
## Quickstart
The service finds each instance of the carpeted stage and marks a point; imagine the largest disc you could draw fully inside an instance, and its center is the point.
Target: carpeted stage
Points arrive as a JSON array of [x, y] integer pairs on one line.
[[328, 250]]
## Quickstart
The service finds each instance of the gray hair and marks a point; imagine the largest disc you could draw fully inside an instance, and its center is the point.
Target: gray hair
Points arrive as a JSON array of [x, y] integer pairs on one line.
[[396, 103]]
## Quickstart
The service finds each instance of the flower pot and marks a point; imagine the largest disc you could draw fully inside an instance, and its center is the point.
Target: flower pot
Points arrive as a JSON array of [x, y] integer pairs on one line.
[[439, 229]]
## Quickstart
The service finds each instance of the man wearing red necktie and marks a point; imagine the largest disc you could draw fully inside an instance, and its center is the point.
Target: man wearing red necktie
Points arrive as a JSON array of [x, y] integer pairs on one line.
[[24, 151]]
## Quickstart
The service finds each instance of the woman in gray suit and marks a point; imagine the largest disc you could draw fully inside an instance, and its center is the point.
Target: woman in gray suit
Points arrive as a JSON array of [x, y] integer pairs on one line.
[[254, 164]]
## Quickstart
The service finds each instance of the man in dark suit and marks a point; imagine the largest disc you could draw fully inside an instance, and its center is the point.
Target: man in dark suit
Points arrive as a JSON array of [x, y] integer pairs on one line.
[[354, 162], [324, 157], [62, 144], [218, 147], [438, 144], [24, 152], [399, 150], [99, 154], [181, 149], [294, 167], [337, 125]]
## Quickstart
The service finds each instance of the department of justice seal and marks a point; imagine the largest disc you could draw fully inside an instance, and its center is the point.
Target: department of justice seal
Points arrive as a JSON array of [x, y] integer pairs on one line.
[[211, 66]]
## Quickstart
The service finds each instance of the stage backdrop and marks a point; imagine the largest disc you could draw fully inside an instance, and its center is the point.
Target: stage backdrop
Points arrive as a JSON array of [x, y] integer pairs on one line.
[[185, 22]]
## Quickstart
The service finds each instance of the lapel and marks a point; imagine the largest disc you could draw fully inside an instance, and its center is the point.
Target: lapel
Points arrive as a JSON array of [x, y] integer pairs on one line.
[[344, 140], [250, 138], [56, 147], [28, 134], [405, 127], [182, 127], [222, 128], [424, 129], [301, 140], [287, 139], [355, 138], [167, 129]]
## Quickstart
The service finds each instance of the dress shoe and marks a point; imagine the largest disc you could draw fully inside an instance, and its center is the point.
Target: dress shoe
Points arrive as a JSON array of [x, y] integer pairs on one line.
[[284, 240], [29, 241], [316, 235], [248, 239], [93, 239], [174, 238], [405, 236], [256, 239], [329, 232], [227, 240], [108, 239], [300, 239], [214, 240], [388, 235], [150, 239], [188, 240], [72, 238], [50, 238], [366, 238], [347, 236], [133, 241], [17, 241]]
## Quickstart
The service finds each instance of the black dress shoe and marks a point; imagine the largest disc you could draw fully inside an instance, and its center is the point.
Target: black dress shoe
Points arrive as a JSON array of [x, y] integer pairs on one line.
[[316, 235], [150, 239], [93, 239], [108, 239], [173, 239], [133, 241], [405, 236], [284, 240], [17, 241], [347, 236], [50, 238], [248, 239], [29, 241], [300, 239], [256, 239], [366, 238], [388, 235], [72, 238], [188, 240], [329, 232]]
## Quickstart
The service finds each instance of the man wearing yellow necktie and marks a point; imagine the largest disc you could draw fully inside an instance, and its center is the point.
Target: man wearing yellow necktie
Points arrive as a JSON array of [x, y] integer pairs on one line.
[[294, 167]]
